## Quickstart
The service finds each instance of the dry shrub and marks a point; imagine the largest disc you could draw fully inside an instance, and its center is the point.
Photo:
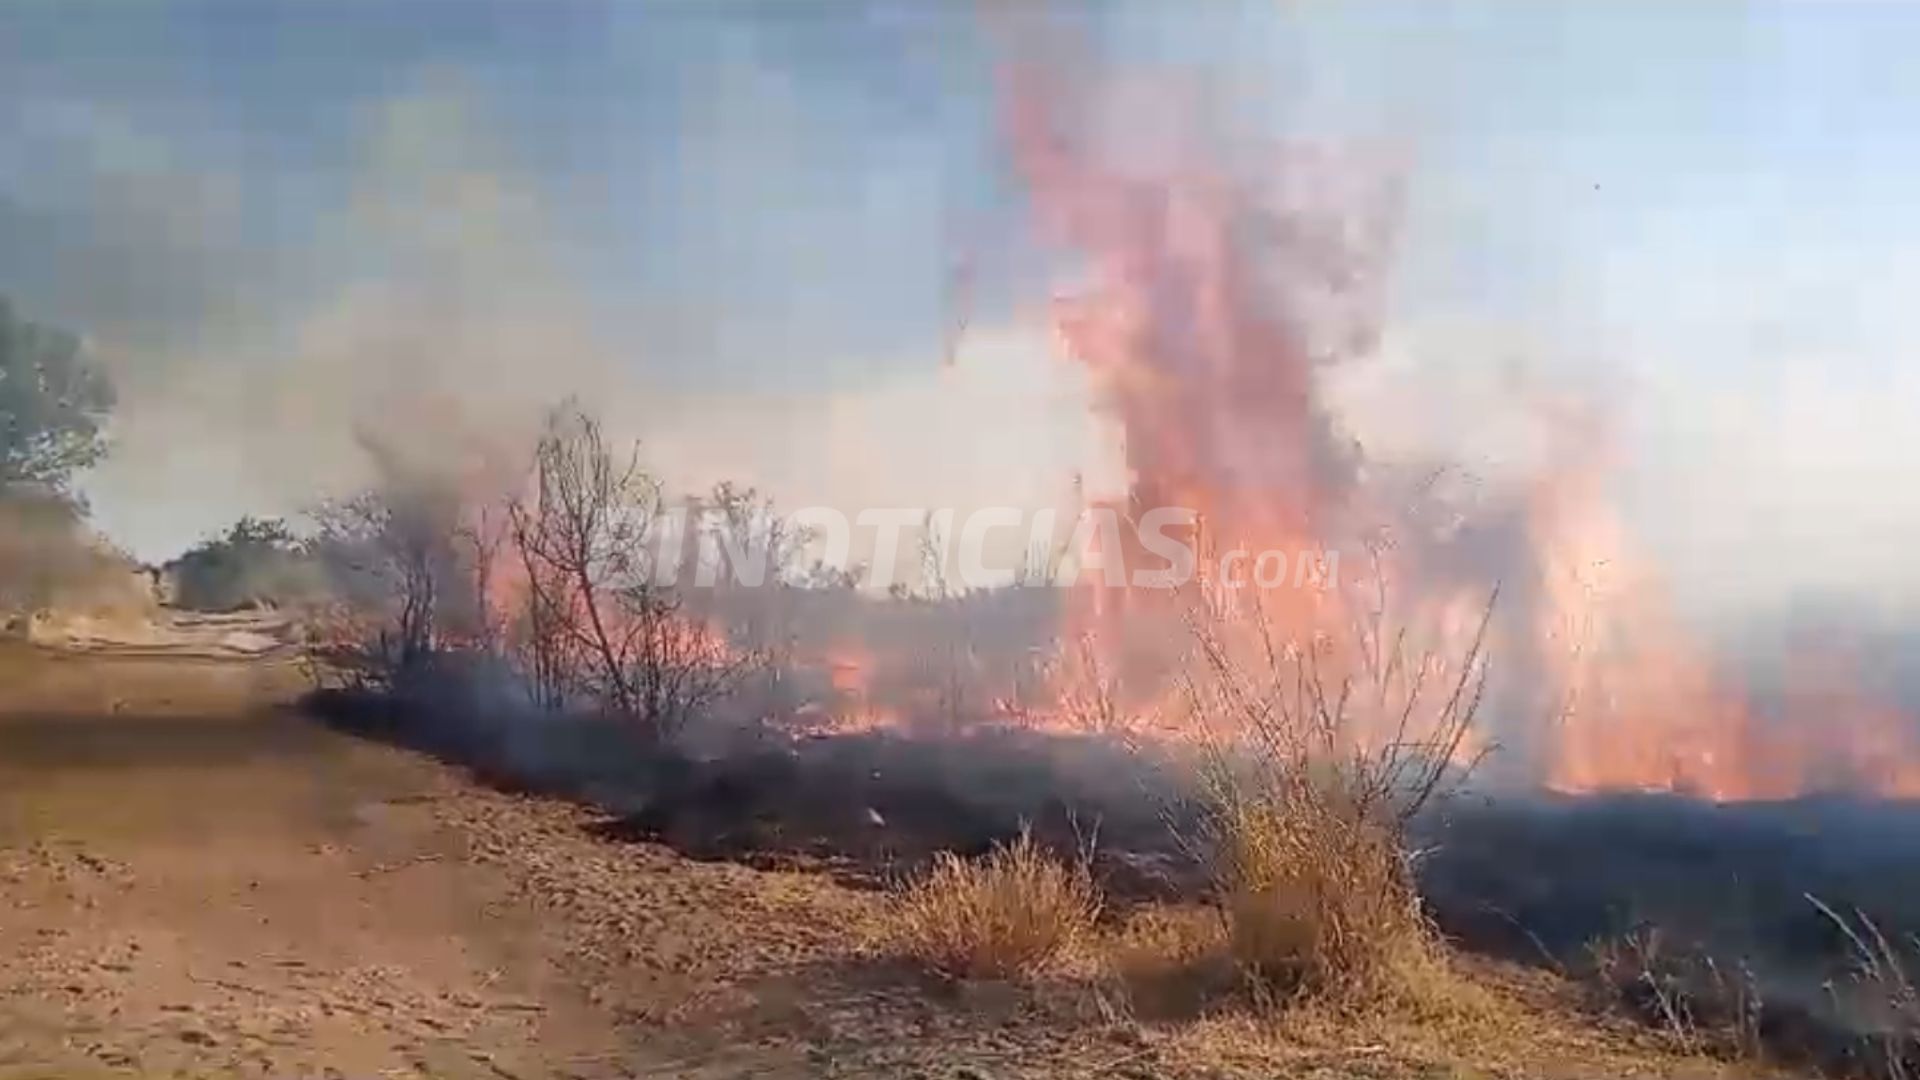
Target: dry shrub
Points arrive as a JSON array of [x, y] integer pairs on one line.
[[1014, 913], [1320, 752]]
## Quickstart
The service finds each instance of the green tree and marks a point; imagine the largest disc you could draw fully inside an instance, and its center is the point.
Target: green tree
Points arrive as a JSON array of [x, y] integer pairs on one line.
[[258, 561], [52, 403]]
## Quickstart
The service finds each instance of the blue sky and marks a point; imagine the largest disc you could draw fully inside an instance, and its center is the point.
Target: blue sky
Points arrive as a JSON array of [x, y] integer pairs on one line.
[[1706, 209]]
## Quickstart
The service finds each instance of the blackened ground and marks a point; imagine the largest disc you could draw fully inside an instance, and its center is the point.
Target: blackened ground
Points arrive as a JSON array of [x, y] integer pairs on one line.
[[1527, 877], [881, 805], [1558, 873], [870, 806], [1724, 886]]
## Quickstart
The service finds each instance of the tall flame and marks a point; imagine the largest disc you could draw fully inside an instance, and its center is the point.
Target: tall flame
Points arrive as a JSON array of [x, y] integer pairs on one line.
[[1207, 310]]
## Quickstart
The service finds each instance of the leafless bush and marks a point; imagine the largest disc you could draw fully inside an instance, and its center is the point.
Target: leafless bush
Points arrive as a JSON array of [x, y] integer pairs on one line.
[[578, 536], [1318, 754], [390, 556], [601, 622], [1011, 914], [483, 537], [748, 576], [564, 585]]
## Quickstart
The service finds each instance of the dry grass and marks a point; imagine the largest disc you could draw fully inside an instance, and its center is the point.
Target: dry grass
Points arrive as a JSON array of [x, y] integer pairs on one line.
[[1317, 899], [1434, 1014], [1701, 1005], [1881, 992], [1013, 914], [1322, 749], [1312, 955], [1168, 963]]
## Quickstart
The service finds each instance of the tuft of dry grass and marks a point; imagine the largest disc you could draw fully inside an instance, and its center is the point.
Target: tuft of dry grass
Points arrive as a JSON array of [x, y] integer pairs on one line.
[[1317, 898], [1169, 962], [1012, 914]]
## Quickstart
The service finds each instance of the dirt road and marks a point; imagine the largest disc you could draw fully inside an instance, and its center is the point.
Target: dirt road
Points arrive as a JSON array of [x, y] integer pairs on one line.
[[193, 882]]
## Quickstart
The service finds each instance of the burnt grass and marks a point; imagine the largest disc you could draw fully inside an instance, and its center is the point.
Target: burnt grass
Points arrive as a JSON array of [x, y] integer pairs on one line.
[[1728, 888], [869, 807], [1528, 877]]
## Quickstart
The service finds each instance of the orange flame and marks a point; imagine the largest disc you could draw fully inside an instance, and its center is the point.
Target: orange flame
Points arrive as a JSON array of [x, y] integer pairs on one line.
[[1208, 311]]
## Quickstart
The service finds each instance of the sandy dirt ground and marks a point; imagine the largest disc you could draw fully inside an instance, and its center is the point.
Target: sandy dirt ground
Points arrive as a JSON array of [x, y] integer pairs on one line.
[[192, 883], [195, 880]]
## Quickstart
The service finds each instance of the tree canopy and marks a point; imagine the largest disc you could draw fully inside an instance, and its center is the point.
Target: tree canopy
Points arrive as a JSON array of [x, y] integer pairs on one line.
[[53, 403], [257, 561]]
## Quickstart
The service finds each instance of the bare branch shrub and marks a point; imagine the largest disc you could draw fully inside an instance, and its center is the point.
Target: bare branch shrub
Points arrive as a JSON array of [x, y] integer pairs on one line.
[[1318, 753], [564, 585], [390, 556], [748, 569], [541, 639], [483, 536], [602, 624], [587, 533]]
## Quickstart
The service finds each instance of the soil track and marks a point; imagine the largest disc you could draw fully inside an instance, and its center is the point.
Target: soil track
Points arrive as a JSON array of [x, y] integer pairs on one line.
[[195, 882]]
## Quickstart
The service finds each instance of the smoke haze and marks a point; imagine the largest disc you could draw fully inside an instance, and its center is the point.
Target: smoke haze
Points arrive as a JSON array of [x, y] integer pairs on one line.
[[750, 239]]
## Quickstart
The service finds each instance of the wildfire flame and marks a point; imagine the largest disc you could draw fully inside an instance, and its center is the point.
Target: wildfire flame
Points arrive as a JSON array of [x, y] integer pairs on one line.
[[1208, 310]]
